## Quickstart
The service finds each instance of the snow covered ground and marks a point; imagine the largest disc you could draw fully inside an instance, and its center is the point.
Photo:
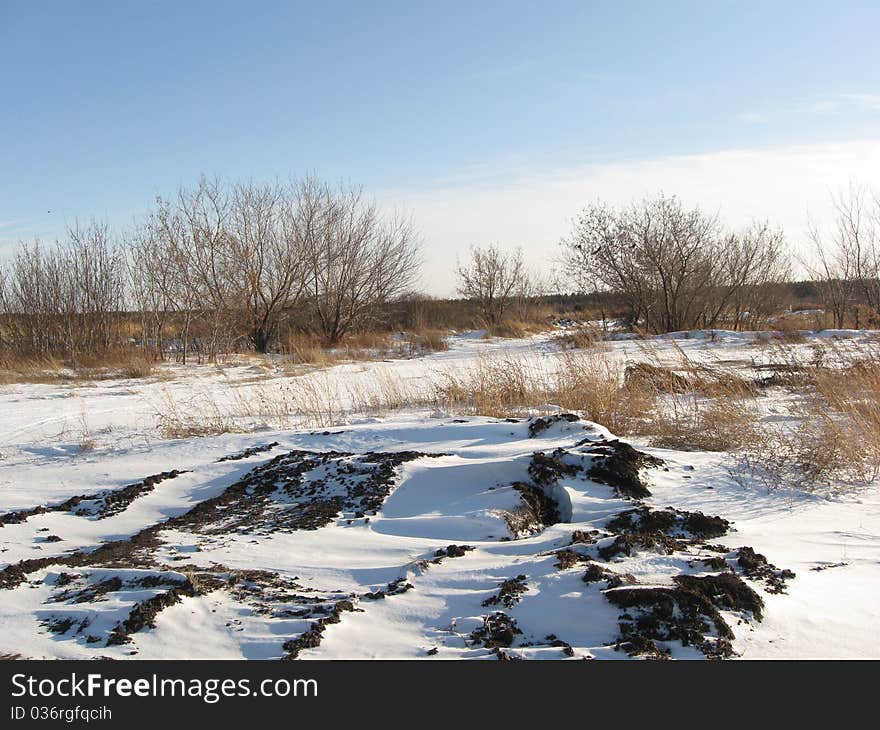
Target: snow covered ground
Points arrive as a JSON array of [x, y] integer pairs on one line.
[[336, 526]]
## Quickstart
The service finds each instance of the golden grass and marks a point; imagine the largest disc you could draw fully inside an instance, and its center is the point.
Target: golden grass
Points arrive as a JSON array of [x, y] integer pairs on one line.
[[427, 341], [127, 363], [582, 337], [833, 404]]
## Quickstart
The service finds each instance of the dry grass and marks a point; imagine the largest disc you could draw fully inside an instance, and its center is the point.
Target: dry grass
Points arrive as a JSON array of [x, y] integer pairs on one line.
[[200, 416], [834, 435], [493, 386], [427, 341], [587, 382], [308, 349], [582, 337], [830, 394], [127, 363]]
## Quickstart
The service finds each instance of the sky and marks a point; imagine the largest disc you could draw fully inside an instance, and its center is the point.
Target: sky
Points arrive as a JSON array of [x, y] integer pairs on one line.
[[488, 123]]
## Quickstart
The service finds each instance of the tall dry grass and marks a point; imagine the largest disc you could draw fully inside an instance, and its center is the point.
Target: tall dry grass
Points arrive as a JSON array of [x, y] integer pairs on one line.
[[826, 398], [833, 435], [122, 362]]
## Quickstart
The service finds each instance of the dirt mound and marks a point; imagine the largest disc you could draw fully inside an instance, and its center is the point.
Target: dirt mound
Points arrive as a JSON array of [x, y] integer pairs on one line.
[[755, 566], [545, 470], [538, 425], [617, 464], [498, 630], [672, 522], [452, 551], [631, 543], [509, 592], [569, 558], [596, 572], [727, 591], [584, 537], [669, 614], [541, 510]]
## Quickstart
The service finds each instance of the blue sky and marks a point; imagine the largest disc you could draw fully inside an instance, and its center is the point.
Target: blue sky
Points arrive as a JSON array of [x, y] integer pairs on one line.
[[464, 110]]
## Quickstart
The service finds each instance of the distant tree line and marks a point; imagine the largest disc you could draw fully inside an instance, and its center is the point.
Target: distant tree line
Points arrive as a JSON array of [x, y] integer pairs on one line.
[[215, 268], [223, 267]]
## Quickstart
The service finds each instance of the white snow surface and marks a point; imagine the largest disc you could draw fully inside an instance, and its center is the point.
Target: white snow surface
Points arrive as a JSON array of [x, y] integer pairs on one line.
[[830, 540]]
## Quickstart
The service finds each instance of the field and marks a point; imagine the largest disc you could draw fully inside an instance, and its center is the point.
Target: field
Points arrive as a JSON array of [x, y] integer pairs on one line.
[[556, 496]]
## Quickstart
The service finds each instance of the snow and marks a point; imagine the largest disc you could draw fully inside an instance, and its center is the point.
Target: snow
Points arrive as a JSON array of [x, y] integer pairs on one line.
[[62, 440]]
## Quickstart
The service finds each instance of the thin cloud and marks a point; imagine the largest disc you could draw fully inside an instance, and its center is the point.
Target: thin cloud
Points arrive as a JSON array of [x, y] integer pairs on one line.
[[780, 184], [834, 105], [865, 101]]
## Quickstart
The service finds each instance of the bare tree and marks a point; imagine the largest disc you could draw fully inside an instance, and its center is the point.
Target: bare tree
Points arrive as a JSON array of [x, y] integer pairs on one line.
[[493, 279], [357, 260], [271, 267], [846, 260], [752, 265], [674, 268], [67, 300]]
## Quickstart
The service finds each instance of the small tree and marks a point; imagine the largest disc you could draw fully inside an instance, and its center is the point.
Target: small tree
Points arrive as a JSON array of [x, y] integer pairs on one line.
[[846, 264], [356, 259], [673, 268], [493, 278]]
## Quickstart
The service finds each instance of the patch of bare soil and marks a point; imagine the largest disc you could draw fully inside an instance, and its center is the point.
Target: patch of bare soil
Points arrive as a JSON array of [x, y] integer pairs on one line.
[[297, 490], [670, 521], [311, 638], [252, 451], [595, 572], [451, 551], [667, 614], [99, 505], [509, 592], [537, 426], [498, 630], [300, 490], [755, 566], [617, 464], [547, 469]]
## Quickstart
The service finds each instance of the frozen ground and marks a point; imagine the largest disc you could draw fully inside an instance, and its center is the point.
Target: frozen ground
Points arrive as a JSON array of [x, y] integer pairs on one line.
[[410, 533]]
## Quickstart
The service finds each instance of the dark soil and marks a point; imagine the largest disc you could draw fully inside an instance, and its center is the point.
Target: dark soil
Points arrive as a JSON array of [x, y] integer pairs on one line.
[[596, 572], [617, 464], [99, 505], [672, 522], [670, 614], [727, 591], [394, 588], [311, 638], [252, 451], [545, 470], [452, 551], [90, 594], [630, 544], [539, 425], [509, 592], [300, 490], [569, 558], [543, 508], [584, 537], [143, 614], [755, 566], [498, 630]]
